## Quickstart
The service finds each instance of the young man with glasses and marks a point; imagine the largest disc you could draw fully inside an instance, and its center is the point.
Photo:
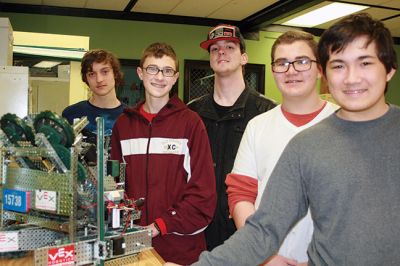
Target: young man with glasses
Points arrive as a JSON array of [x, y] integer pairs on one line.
[[226, 112], [296, 73], [169, 163]]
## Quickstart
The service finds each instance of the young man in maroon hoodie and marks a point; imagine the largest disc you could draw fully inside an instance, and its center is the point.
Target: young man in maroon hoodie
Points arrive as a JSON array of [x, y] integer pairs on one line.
[[169, 163]]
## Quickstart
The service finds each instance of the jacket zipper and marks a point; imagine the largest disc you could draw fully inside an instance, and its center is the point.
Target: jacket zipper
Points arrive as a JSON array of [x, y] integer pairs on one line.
[[147, 173]]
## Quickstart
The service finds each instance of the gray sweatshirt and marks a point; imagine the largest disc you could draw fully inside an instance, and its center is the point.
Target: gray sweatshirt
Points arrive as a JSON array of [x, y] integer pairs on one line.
[[348, 173]]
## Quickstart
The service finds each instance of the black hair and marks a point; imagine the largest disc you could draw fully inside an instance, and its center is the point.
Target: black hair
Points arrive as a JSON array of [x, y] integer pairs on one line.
[[338, 36]]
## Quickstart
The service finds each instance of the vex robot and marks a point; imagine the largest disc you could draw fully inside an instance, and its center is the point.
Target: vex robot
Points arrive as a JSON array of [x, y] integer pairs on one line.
[[59, 197]]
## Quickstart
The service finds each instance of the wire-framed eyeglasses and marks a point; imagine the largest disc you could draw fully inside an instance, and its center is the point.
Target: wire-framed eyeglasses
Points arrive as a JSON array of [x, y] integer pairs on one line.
[[300, 65], [166, 71]]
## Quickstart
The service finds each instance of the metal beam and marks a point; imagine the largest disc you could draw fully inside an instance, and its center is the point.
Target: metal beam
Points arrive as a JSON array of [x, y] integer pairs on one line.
[[130, 5]]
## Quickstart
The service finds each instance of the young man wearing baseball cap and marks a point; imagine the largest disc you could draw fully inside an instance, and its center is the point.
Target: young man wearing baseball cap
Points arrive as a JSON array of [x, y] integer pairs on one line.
[[226, 112]]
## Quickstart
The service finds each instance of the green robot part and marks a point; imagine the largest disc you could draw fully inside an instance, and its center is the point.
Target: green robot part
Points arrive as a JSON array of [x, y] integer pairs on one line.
[[56, 129], [16, 129], [65, 157]]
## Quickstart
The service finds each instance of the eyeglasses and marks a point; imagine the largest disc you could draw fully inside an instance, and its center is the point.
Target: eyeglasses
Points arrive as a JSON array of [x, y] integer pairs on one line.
[[300, 65], [166, 71]]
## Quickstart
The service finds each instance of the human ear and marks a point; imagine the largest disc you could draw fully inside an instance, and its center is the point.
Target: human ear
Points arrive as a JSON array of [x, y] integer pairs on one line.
[[245, 59], [139, 72], [390, 74]]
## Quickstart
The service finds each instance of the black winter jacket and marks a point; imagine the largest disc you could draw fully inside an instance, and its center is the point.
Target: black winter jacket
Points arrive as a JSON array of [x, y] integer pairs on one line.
[[225, 134]]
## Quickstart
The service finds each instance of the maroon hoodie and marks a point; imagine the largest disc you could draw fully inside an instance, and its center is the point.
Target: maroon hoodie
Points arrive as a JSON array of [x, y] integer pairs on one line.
[[169, 163]]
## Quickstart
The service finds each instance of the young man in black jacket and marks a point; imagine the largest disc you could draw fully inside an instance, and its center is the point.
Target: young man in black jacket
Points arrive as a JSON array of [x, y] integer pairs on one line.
[[225, 113]]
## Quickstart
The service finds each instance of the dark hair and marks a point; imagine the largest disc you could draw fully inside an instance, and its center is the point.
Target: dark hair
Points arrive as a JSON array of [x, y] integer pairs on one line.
[[292, 36], [101, 56], [338, 36], [158, 50]]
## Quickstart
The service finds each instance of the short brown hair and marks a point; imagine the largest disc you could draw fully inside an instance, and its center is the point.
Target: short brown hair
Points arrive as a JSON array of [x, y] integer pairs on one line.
[[292, 36], [101, 56], [158, 50]]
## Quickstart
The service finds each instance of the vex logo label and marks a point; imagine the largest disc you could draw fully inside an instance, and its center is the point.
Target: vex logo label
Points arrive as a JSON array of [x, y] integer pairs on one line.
[[7, 238], [46, 200], [8, 241], [61, 256], [45, 195]]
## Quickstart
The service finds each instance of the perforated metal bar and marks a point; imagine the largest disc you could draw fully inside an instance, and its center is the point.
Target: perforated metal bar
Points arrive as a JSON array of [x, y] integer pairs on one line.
[[73, 175], [80, 124], [33, 238], [100, 186]]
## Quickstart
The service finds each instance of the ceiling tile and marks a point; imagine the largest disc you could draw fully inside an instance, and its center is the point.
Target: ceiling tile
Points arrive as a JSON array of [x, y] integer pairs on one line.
[[241, 9], [392, 3], [116, 5], [155, 6], [394, 26], [393, 23], [65, 3], [198, 8], [382, 13]]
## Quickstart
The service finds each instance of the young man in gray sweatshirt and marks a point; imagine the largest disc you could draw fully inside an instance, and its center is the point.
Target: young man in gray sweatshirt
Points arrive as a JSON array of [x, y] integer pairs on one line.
[[345, 169]]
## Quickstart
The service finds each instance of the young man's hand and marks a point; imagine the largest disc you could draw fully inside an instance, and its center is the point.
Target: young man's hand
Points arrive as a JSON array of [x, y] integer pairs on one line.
[[171, 264], [154, 230]]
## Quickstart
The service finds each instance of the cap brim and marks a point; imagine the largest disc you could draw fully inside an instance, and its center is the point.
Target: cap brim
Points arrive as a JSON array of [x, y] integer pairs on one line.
[[207, 43]]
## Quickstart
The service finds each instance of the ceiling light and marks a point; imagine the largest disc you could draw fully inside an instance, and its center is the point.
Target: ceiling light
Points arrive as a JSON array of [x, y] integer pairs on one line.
[[74, 54], [324, 14], [47, 64]]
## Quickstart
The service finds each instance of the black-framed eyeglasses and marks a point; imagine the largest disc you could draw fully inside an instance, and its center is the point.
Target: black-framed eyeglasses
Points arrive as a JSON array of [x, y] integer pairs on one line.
[[166, 71], [300, 65]]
